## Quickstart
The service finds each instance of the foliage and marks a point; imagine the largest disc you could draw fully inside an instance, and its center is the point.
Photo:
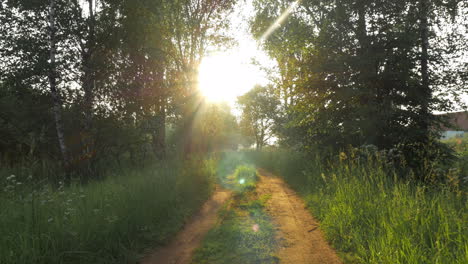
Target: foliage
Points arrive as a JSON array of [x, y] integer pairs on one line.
[[215, 129], [373, 218], [110, 221], [227, 164], [354, 72], [259, 110], [243, 179], [128, 66], [460, 146]]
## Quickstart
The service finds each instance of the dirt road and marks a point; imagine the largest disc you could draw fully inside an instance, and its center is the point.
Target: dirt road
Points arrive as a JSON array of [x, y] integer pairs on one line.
[[180, 250], [301, 240]]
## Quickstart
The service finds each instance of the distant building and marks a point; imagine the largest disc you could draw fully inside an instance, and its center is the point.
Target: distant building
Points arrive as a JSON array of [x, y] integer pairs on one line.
[[458, 125]]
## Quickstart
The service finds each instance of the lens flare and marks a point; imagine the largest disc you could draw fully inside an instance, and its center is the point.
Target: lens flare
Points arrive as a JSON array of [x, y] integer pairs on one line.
[[255, 228], [280, 20]]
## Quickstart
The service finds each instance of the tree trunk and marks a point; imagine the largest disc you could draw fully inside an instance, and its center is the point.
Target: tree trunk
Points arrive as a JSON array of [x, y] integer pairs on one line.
[[57, 102], [425, 90], [87, 137], [89, 74], [159, 133]]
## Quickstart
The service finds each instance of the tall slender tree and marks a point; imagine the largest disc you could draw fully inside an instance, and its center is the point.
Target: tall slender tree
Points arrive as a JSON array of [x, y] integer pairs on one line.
[[57, 107]]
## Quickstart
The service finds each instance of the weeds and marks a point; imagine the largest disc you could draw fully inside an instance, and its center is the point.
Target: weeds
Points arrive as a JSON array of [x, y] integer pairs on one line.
[[373, 217], [109, 221]]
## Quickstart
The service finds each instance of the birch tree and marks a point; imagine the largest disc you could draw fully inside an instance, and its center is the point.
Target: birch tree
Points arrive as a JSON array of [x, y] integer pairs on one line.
[[57, 102]]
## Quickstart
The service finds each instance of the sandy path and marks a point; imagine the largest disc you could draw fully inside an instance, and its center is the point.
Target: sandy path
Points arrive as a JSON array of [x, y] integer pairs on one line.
[[301, 240], [180, 250]]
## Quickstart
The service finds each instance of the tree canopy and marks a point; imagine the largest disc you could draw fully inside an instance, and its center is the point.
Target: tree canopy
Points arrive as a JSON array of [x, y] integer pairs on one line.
[[353, 73]]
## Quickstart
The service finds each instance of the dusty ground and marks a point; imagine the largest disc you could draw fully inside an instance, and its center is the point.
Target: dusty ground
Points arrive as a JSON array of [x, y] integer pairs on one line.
[[301, 240], [180, 250]]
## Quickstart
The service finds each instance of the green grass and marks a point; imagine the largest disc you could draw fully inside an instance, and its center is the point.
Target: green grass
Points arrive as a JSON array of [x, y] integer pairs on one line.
[[460, 146], [109, 221], [228, 163], [243, 179], [245, 234], [372, 217]]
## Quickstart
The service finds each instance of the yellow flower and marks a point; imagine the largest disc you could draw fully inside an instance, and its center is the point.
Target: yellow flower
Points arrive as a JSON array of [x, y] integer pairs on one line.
[[343, 156]]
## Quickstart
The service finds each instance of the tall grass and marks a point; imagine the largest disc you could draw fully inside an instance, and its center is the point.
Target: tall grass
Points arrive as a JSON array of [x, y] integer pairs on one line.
[[109, 221], [373, 217], [460, 146]]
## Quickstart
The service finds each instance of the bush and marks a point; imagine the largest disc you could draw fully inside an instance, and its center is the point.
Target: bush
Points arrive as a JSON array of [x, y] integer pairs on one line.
[[244, 178]]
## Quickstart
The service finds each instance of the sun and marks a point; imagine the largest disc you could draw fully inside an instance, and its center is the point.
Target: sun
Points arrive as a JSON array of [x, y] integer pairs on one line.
[[225, 76]]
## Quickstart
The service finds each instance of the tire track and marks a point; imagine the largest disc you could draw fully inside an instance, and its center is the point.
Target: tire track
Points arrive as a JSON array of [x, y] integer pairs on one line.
[[301, 240]]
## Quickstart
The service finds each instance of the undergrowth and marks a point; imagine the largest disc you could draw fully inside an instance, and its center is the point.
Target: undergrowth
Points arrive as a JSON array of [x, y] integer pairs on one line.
[[371, 216], [108, 221]]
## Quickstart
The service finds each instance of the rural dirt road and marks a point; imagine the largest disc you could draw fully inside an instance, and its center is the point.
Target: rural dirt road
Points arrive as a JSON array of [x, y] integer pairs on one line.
[[301, 240], [180, 250]]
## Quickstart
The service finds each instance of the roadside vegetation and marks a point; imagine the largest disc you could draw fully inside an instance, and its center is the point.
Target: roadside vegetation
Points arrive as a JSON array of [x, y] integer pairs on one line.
[[109, 141], [245, 233], [460, 146], [108, 221], [372, 215]]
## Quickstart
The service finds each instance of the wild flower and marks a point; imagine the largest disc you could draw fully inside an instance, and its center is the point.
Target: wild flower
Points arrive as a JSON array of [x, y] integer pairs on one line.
[[111, 219], [343, 156], [323, 177]]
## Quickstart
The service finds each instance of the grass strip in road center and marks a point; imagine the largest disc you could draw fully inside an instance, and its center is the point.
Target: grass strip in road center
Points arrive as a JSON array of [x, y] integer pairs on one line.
[[245, 233]]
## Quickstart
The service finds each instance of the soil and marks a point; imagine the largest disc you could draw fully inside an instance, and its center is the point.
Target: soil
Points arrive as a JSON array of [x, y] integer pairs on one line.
[[181, 248], [299, 234], [300, 238]]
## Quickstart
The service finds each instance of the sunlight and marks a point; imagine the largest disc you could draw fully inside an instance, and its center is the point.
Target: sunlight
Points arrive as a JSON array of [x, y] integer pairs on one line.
[[224, 76], [280, 20]]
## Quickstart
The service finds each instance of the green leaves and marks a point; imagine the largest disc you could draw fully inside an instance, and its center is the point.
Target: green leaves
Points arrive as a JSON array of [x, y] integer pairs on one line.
[[349, 72], [259, 110]]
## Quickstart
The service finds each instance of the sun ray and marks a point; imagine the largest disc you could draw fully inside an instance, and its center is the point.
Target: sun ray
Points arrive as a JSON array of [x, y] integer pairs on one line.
[[280, 20]]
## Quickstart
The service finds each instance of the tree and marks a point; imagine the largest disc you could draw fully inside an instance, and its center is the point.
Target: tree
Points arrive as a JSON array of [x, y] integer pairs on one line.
[[32, 36], [57, 103], [214, 129], [193, 26], [259, 109], [123, 66], [363, 72]]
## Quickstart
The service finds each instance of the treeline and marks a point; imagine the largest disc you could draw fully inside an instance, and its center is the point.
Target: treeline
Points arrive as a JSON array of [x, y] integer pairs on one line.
[[365, 72], [83, 82]]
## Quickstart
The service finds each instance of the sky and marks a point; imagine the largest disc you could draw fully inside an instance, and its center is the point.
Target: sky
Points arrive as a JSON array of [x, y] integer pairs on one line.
[[225, 75]]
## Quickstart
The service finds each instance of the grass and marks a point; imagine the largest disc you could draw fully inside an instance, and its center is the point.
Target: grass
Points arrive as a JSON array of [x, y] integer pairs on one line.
[[245, 234], [460, 146], [373, 217], [228, 163], [109, 221]]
